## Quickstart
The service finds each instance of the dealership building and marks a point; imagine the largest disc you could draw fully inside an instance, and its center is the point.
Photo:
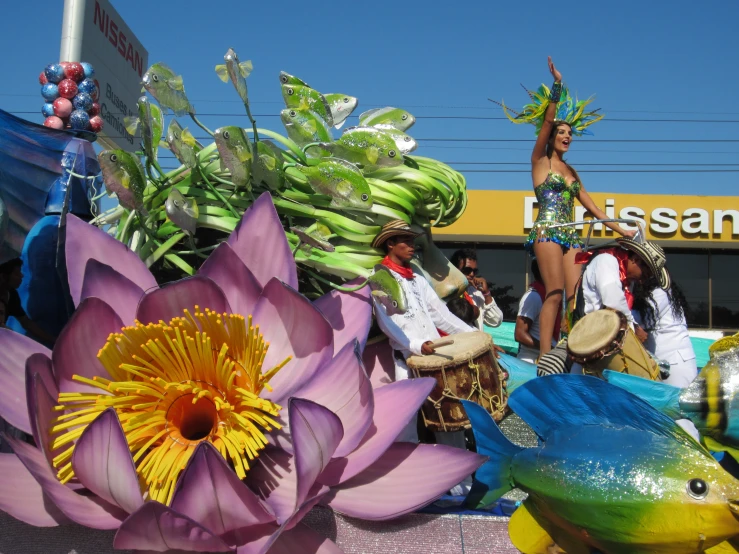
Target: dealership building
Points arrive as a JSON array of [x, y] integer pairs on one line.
[[700, 235]]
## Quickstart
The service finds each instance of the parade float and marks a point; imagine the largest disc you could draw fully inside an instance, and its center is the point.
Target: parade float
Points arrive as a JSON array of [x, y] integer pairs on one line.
[[216, 388]]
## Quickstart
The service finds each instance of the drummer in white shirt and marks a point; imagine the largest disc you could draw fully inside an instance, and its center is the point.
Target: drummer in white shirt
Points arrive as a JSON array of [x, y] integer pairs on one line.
[[412, 332]]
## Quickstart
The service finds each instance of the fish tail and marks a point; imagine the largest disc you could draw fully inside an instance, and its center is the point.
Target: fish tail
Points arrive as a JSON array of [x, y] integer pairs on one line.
[[494, 478], [665, 398]]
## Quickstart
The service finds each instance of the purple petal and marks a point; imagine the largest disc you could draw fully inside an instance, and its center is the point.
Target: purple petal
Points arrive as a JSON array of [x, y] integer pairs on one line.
[[349, 396], [171, 300], [89, 511], [236, 281], [17, 483], [395, 404], [209, 492], [15, 349], [285, 481], [305, 540], [260, 243], [119, 292], [102, 463], [85, 242], [157, 528], [349, 313], [379, 363], [76, 349], [41, 401], [405, 478], [293, 327]]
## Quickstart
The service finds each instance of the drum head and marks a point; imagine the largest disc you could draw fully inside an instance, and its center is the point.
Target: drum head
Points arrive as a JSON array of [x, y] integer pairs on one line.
[[466, 346], [594, 332]]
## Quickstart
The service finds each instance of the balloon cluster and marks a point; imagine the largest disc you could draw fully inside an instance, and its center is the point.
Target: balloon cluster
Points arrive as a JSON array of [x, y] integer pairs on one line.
[[71, 94]]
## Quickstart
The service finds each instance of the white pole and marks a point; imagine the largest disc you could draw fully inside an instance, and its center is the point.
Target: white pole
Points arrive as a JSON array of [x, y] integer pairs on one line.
[[72, 22]]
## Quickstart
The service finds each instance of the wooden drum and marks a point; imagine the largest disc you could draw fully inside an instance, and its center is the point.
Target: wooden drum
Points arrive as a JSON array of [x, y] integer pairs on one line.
[[603, 340], [465, 370]]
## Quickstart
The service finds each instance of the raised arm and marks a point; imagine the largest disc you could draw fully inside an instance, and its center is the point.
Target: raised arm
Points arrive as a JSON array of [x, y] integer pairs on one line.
[[540, 148], [589, 205]]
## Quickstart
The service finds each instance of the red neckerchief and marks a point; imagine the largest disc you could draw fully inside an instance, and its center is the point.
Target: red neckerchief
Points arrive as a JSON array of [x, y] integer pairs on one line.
[[622, 256], [541, 290], [469, 299], [401, 270]]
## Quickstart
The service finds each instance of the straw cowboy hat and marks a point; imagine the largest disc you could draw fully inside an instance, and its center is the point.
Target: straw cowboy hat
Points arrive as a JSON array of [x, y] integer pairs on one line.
[[652, 255], [395, 228]]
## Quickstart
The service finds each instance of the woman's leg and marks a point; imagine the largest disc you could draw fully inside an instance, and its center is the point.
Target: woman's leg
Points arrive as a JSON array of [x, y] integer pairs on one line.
[[549, 256], [572, 274]]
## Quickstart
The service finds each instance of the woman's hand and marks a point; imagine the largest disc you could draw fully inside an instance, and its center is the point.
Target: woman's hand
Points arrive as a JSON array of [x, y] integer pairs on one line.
[[556, 74]]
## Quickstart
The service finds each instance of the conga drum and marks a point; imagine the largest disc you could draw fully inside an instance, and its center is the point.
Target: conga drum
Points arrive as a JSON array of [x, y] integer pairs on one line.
[[603, 340], [465, 370]]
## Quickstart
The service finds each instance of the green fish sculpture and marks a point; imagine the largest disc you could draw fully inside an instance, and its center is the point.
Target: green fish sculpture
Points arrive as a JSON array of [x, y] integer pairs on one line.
[[387, 118], [123, 175], [302, 97], [151, 121], [342, 105], [611, 475], [162, 83], [387, 291], [369, 147], [340, 180], [236, 155]]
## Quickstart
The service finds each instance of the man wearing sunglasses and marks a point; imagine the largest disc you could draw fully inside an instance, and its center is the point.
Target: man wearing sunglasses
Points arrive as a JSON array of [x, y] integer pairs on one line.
[[478, 292]]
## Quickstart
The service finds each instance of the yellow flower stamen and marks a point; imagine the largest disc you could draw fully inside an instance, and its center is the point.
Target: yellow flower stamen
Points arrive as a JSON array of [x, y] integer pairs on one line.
[[174, 385]]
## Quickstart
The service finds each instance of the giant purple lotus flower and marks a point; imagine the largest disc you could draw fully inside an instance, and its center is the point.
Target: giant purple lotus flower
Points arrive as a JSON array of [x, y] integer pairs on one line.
[[179, 405]]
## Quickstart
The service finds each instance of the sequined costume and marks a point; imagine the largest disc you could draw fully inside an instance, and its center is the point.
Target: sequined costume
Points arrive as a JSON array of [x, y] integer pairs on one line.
[[556, 201]]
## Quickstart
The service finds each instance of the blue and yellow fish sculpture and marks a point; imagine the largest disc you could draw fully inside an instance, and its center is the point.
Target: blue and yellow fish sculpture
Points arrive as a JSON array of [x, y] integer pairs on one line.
[[711, 401], [611, 475]]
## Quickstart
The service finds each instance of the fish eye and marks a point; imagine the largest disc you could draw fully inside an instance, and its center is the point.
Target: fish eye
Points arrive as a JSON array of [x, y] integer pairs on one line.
[[283, 78], [407, 139], [365, 197], [293, 113], [346, 100], [697, 488], [395, 303], [155, 77], [404, 116], [113, 158], [290, 91], [226, 135], [391, 153]]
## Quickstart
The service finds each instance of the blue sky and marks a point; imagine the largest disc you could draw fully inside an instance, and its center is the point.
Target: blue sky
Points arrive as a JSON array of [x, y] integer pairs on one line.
[[643, 60]]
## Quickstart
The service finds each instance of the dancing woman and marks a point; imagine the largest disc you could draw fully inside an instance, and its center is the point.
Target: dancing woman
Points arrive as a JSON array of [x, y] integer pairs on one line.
[[557, 184]]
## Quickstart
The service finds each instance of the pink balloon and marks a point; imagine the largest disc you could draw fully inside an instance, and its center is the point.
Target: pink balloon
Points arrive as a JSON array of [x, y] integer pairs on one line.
[[62, 107], [54, 122], [96, 124], [42, 80]]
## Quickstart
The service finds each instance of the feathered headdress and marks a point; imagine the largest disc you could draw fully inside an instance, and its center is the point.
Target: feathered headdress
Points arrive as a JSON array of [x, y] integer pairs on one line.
[[568, 110]]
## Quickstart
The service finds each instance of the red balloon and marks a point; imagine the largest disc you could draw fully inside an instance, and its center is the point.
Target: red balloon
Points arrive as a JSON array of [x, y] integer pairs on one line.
[[42, 80], [95, 110], [62, 107], [65, 65], [96, 124], [54, 122], [67, 88], [74, 71]]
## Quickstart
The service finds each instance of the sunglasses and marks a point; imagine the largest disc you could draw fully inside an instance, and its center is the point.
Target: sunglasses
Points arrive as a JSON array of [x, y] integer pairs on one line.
[[466, 271]]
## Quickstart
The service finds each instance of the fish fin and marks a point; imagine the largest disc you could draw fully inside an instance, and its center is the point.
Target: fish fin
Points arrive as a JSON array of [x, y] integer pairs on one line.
[[493, 479], [329, 119], [163, 144], [131, 123], [245, 68], [590, 401], [664, 397], [366, 115], [726, 547], [340, 124], [348, 165], [379, 294], [527, 534], [715, 446], [372, 153], [187, 138], [269, 162], [519, 371], [222, 72], [175, 83], [310, 126]]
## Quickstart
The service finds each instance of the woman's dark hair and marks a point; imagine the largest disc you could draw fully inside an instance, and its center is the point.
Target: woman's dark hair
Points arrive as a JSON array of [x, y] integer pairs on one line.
[[643, 295], [462, 309], [535, 270], [550, 148], [463, 254]]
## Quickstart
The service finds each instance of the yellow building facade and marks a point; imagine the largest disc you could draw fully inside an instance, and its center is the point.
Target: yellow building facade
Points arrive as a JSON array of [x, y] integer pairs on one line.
[[699, 233]]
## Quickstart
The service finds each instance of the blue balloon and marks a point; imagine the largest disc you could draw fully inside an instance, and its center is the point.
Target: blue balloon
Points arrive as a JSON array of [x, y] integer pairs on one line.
[[88, 69], [47, 109], [82, 101], [50, 92], [79, 120], [54, 72], [87, 86]]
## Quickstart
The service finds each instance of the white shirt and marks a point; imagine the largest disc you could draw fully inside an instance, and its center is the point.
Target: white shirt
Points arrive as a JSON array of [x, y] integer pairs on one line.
[[490, 314], [601, 286], [426, 312], [669, 339]]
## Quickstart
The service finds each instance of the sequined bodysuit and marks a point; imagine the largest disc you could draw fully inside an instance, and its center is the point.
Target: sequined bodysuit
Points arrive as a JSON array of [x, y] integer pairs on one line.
[[556, 201]]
